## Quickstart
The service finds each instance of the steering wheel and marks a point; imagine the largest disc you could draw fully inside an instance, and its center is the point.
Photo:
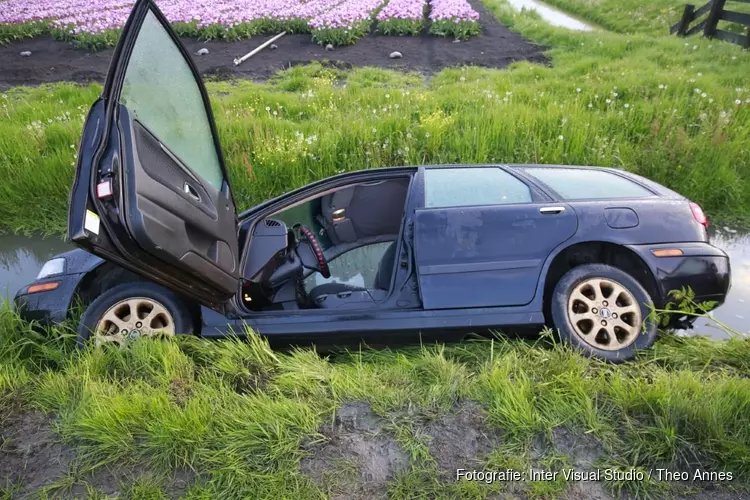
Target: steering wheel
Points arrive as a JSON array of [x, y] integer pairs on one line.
[[317, 250]]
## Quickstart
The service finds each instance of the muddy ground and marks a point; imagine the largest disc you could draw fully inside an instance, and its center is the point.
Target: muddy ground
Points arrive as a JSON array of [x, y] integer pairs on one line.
[[358, 459], [496, 47], [362, 454], [34, 462]]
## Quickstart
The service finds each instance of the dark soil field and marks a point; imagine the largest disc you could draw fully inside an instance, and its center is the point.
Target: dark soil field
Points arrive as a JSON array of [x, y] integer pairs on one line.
[[496, 47]]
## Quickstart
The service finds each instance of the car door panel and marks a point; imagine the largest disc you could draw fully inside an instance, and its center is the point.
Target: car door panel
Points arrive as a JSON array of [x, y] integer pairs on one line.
[[166, 209], [164, 215], [165, 168], [486, 256]]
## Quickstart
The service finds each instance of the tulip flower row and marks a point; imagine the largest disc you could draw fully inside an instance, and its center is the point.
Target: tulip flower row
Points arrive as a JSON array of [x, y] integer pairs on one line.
[[345, 23], [96, 23], [453, 18], [402, 17]]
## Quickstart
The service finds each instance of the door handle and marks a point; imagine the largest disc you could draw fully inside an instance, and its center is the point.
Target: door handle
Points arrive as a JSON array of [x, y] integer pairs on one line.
[[551, 210], [192, 192]]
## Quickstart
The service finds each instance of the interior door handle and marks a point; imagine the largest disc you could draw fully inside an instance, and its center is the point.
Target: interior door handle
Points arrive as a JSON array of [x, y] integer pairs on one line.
[[551, 210], [192, 192]]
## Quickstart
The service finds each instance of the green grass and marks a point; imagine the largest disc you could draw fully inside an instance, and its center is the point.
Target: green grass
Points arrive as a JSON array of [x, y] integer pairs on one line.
[[663, 107], [187, 405], [652, 17]]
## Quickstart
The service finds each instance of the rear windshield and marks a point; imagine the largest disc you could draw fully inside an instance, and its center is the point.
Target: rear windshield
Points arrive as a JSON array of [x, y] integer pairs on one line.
[[588, 184]]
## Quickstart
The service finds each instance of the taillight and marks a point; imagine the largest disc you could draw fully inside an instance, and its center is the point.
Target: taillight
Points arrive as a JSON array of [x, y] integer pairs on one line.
[[698, 214]]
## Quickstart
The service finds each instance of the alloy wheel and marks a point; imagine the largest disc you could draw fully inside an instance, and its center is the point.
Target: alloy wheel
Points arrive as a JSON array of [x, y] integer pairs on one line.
[[133, 318], [604, 314]]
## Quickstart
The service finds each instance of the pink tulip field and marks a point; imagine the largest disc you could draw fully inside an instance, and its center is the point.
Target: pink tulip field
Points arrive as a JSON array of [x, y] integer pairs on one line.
[[402, 17], [97, 23]]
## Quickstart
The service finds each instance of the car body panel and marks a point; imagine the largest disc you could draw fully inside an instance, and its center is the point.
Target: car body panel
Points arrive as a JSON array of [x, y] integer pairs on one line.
[[463, 253], [326, 323], [703, 268], [53, 306], [621, 217], [659, 221]]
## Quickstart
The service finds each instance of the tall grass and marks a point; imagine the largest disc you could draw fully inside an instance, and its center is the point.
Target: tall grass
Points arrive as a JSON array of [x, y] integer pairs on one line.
[[676, 111], [177, 405]]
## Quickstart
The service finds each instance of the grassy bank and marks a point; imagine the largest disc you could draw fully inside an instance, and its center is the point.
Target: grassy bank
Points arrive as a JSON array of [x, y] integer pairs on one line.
[[674, 110], [237, 420], [652, 17]]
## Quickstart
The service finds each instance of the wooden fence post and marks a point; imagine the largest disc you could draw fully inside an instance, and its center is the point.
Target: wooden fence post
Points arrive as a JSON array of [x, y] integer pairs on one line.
[[687, 18], [713, 18]]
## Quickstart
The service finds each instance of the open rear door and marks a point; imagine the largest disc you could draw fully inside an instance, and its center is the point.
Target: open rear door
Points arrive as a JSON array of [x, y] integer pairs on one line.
[[151, 191]]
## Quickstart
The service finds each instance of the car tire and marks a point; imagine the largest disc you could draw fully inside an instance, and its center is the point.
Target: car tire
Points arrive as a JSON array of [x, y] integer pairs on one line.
[[158, 310], [604, 312]]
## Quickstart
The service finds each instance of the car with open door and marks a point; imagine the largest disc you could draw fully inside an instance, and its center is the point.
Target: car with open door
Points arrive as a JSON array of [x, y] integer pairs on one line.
[[382, 251]]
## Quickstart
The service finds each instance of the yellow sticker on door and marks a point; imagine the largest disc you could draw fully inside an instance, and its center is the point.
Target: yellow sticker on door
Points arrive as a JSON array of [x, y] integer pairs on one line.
[[91, 222]]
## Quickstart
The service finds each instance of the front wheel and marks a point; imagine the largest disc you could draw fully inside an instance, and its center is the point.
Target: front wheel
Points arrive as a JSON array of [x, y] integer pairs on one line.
[[604, 312], [133, 310]]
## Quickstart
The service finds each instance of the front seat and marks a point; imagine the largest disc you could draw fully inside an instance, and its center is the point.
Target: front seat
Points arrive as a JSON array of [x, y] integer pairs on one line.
[[340, 295]]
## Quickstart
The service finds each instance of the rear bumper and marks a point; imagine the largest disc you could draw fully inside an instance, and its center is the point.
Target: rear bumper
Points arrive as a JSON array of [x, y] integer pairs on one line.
[[702, 267]]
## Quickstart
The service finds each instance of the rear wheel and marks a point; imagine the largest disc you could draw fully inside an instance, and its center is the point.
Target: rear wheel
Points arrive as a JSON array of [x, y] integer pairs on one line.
[[133, 310], [604, 312]]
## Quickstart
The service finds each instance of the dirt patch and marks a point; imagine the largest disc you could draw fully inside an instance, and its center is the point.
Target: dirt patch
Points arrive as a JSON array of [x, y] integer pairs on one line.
[[33, 457], [358, 459], [582, 449], [31, 454], [461, 440], [495, 47]]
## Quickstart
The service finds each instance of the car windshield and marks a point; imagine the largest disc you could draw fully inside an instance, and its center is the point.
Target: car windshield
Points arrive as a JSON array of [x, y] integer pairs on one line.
[[588, 184]]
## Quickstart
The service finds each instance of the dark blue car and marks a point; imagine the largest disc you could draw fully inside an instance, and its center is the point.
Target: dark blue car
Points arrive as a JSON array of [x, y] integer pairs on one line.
[[383, 251]]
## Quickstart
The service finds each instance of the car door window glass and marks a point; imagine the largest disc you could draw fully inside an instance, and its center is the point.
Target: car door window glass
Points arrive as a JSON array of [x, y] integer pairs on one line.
[[162, 93], [456, 187], [588, 184]]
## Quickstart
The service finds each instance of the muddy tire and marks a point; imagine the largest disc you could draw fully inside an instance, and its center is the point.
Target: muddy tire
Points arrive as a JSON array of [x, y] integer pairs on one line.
[[604, 312], [132, 310]]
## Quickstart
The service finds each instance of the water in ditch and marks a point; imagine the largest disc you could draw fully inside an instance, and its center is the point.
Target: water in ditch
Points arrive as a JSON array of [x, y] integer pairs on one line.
[[22, 257], [551, 15]]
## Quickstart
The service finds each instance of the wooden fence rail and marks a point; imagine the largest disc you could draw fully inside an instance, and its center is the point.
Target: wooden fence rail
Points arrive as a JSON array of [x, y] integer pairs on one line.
[[715, 10]]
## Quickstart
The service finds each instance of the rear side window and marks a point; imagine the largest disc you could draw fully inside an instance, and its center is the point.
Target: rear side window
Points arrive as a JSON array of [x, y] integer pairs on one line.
[[588, 184], [459, 187]]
